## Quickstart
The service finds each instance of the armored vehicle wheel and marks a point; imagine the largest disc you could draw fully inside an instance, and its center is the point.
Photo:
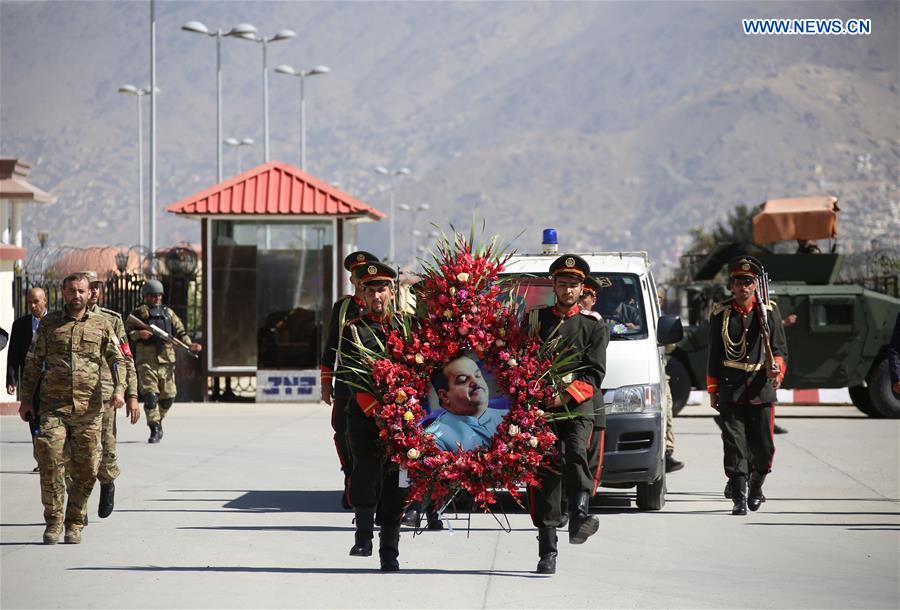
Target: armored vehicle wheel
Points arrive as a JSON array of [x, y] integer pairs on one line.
[[652, 496], [859, 394], [883, 398], [679, 384]]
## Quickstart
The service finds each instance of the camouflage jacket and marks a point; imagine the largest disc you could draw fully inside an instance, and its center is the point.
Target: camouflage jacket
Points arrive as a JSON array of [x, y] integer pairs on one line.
[[155, 350], [106, 376], [67, 356]]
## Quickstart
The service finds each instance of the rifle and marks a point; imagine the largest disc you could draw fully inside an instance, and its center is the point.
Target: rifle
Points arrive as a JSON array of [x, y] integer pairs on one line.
[[156, 330], [762, 299]]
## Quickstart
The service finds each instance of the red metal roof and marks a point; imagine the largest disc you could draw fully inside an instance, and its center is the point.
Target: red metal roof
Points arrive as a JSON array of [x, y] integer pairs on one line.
[[14, 186], [274, 188]]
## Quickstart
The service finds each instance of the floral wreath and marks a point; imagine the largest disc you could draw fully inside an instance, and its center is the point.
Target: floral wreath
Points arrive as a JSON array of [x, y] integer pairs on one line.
[[464, 307]]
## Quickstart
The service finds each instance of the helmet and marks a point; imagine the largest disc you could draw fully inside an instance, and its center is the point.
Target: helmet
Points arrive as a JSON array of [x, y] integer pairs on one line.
[[151, 287]]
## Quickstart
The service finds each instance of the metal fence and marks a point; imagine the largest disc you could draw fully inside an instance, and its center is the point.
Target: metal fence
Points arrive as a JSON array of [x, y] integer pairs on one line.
[[121, 293]]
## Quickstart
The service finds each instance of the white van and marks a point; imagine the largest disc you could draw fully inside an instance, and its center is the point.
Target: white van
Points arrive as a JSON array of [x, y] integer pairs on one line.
[[633, 391]]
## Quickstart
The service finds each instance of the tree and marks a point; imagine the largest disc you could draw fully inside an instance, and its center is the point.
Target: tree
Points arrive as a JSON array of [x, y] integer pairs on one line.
[[736, 228]]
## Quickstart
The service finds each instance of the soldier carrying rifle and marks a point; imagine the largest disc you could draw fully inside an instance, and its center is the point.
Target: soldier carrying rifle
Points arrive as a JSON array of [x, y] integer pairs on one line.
[[747, 362], [155, 329]]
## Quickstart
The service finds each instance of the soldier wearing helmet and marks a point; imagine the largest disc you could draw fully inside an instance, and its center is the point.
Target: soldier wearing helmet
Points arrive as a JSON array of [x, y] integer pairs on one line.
[[155, 357]]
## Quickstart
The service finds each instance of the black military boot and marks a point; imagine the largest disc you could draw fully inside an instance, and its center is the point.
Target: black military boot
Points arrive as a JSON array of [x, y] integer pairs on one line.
[[159, 431], [727, 491], [672, 464], [107, 499], [547, 550], [154, 433], [582, 524], [739, 495], [755, 497], [365, 525], [389, 547]]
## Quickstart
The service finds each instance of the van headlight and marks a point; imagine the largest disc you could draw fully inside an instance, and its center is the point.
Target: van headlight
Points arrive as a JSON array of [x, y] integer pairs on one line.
[[633, 399]]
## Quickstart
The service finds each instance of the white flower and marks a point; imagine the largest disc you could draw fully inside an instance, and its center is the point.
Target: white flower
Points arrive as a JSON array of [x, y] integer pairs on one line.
[[533, 441], [462, 277], [513, 430], [512, 362], [413, 454]]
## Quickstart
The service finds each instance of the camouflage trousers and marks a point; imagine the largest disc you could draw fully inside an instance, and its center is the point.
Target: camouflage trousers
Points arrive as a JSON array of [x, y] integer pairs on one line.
[[109, 465], [82, 432], [159, 379]]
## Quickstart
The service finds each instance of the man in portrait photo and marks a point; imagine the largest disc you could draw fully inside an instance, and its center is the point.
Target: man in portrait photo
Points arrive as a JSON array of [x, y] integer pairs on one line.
[[467, 421]]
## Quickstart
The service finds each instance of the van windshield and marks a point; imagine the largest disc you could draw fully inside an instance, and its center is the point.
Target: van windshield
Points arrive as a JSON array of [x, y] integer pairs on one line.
[[619, 302]]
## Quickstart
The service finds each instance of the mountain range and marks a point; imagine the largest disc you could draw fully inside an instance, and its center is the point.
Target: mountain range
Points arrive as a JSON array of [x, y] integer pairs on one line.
[[622, 125]]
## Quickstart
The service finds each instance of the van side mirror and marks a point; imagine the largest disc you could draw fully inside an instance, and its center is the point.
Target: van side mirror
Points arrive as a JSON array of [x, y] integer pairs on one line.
[[669, 330]]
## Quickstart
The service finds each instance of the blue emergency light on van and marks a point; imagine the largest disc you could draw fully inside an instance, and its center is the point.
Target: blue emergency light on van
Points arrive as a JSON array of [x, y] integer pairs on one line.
[[550, 243]]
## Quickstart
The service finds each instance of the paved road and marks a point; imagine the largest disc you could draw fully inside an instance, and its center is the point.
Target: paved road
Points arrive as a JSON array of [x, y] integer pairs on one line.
[[238, 507]]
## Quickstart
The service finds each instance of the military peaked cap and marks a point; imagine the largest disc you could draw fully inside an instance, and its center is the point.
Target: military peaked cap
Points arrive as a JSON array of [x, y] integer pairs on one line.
[[570, 264], [358, 258], [374, 272], [745, 266], [591, 286]]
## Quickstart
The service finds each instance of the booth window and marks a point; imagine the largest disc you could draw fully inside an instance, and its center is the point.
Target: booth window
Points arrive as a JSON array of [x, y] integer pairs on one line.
[[271, 283]]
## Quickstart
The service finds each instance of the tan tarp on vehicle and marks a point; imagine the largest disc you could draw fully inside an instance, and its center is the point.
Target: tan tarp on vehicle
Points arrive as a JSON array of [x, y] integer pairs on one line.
[[796, 218]]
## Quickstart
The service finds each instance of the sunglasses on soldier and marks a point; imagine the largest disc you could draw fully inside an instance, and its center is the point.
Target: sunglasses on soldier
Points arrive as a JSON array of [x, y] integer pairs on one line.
[[743, 280]]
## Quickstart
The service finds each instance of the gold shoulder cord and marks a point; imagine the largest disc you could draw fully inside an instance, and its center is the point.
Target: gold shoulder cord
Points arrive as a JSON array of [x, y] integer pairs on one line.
[[734, 350]]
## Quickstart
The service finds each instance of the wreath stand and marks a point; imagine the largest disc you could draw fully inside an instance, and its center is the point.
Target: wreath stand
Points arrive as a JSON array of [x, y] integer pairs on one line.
[[464, 515]]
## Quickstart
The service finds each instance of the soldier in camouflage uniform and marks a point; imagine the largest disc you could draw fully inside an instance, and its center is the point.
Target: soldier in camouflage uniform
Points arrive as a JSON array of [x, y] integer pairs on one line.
[[67, 355], [109, 467], [155, 357]]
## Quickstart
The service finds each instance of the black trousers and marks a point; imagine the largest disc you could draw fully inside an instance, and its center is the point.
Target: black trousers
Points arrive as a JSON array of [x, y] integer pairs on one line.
[[747, 438], [341, 440], [573, 470], [595, 455], [375, 481]]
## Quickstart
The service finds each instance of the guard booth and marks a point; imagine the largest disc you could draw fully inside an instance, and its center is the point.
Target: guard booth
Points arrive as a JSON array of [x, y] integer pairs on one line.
[[274, 239]]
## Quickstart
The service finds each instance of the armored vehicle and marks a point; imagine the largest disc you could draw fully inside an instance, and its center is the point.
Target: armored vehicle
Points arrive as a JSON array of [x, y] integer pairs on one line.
[[837, 334]]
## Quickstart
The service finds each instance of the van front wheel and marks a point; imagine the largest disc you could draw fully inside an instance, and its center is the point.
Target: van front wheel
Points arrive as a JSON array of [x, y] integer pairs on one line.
[[652, 496]]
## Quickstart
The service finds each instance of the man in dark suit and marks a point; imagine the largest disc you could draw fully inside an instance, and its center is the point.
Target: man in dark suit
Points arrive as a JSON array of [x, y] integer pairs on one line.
[[23, 330]]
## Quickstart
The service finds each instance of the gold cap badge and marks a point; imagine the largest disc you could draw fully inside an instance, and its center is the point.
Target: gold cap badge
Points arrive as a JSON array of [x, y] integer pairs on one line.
[[570, 262], [372, 270]]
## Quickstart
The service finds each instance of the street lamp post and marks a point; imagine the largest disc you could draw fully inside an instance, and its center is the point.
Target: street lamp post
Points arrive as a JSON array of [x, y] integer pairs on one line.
[[239, 144], [245, 31], [139, 93], [199, 28], [414, 230], [302, 74], [392, 175]]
